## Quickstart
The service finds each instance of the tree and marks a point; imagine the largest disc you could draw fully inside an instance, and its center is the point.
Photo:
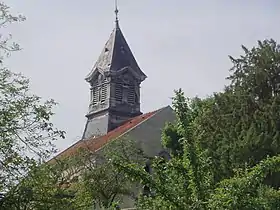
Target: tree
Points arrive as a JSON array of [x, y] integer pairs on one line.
[[45, 187], [247, 190], [85, 180], [99, 182], [6, 44], [225, 150], [26, 131], [241, 125]]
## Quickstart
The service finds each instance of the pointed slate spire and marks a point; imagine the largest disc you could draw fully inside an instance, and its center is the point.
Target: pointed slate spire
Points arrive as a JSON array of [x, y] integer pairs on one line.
[[116, 55], [114, 86]]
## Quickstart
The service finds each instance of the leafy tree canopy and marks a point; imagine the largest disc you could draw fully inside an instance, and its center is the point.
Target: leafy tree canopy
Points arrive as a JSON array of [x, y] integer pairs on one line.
[[26, 131], [225, 147]]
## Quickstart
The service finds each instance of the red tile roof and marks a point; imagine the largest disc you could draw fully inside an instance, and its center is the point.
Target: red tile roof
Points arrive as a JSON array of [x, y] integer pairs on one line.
[[95, 143]]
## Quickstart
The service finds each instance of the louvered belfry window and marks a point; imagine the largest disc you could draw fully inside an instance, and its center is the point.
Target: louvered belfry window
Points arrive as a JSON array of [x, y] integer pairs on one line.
[[126, 94], [119, 92], [99, 94], [125, 90], [95, 95], [131, 95], [103, 93]]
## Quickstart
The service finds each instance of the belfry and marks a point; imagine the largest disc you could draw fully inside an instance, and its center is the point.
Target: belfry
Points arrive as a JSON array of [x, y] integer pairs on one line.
[[114, 86]]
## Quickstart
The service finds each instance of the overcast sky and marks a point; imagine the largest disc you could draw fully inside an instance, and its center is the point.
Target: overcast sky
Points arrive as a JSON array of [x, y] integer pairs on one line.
[[178, 43]]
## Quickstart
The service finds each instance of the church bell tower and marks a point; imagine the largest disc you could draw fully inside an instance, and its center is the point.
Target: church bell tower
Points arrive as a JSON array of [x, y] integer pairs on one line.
[[114, 86]]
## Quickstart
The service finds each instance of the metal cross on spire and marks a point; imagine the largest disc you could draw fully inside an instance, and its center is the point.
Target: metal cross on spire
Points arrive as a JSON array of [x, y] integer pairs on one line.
[[116, 11]]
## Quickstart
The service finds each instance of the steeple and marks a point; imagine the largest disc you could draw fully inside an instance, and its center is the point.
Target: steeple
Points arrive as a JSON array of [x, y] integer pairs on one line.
[[116, 55], [115, 85]]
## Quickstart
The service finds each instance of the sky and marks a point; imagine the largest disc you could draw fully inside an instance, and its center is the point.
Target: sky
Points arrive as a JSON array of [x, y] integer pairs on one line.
[[178, 44]]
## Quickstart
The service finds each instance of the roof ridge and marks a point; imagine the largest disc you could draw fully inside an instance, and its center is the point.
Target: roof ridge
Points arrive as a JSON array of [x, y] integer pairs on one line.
[[113, 45], [119, 131]]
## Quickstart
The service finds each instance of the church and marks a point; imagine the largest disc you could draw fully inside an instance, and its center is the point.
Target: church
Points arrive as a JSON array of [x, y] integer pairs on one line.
[[114, 107]]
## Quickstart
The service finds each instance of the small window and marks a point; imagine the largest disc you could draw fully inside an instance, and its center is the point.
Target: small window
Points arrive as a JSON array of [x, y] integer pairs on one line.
[[122, 50]]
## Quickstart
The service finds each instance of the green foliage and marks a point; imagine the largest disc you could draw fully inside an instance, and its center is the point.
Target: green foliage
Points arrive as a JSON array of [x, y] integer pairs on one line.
[[171, 140], [85, 180], [248, 191], [26, 131], [186, 174], [44, 188], [101, 183], [7, 46], [224, 148], [241, 127]]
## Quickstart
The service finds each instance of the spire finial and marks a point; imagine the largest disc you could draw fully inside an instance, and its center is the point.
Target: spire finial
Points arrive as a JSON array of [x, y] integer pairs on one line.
[[116, 12]]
